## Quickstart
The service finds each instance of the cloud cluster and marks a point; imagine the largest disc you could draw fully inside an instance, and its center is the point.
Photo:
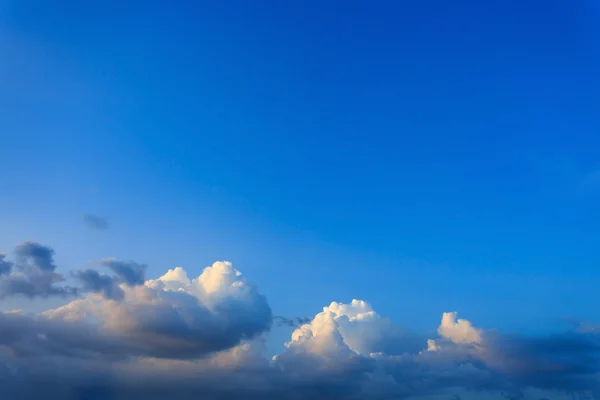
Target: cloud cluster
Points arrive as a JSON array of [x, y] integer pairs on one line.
[[33, 274], [128, 273], [176, 337], [95, 282], [172, 316]]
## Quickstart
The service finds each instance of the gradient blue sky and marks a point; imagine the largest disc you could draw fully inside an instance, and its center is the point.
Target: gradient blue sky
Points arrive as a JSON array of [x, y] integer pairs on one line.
[[423, 155]]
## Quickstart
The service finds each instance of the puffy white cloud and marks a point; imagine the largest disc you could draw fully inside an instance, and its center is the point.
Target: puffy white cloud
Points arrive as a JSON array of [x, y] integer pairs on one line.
[[459, 331], [175, 317], [455, 331], [432, 345], [338, 344], [355, 327]]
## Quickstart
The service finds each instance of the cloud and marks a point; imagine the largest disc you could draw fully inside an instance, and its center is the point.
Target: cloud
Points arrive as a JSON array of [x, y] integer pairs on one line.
[[5, 265], [33, 274], [102, 353], [172, 316], [95, 282], [291, 322], [41, 257], [176, 337], [129, 272], [341, 329], [458, 331], [95, 222]]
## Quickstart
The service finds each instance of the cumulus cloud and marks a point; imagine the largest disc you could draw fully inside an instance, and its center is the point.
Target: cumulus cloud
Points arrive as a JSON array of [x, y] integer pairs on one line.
[[95, 282], [351, 328], [33, 274], [457, 331], [95, 222], [172, 316], [203, 337], [129, 272], [41, 257]]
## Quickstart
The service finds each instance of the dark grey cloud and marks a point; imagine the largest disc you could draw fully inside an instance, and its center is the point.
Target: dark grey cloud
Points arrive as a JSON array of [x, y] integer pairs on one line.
[[568, 361], [38, 337], [95, 222], [33, 286], [129, 272], [95, 282], [105, 364], [35, 255], [33, 274], [356, 378]]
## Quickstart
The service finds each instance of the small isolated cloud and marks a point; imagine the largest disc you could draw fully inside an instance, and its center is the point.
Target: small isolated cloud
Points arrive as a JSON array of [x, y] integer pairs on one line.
[[203, 337], [95, 222]]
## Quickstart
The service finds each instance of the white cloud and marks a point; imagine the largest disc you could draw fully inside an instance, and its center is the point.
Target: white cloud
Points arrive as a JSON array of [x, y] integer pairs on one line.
[[354, 327], [457, 331]]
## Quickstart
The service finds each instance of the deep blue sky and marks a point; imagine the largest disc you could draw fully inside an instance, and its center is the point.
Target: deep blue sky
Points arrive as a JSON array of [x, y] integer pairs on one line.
[[423, 155]]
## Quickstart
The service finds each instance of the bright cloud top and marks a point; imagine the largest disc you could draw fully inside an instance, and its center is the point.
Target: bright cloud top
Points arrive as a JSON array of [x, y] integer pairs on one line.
[[458, 331], [175, 317], [174, 337]]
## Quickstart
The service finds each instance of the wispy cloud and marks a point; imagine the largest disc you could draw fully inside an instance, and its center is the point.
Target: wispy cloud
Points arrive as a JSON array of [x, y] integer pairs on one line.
[[291, 322], [95, 222]]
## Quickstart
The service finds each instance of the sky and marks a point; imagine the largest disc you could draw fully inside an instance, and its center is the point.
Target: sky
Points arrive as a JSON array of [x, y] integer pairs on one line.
[[419, 157]]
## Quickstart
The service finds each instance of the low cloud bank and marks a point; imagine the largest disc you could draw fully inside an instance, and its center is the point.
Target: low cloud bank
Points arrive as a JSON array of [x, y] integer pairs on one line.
[[125, 336]]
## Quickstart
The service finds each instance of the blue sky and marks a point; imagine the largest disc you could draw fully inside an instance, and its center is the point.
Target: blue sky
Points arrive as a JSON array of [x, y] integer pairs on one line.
[[425, 156]]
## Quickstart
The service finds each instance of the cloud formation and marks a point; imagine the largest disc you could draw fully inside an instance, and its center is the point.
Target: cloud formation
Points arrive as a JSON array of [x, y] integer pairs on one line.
[[128, 272], [172, 316], [33, 274], [95, 282], [176, 337], [95, 222], [458, 331]]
